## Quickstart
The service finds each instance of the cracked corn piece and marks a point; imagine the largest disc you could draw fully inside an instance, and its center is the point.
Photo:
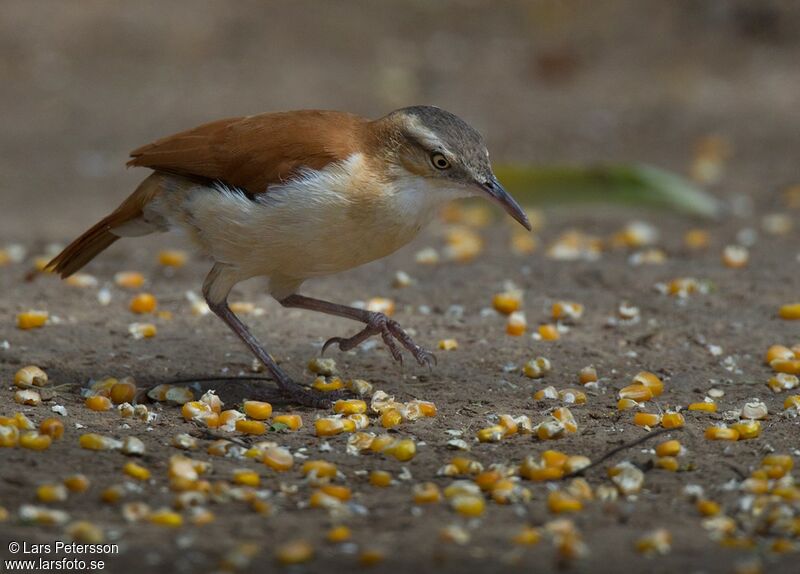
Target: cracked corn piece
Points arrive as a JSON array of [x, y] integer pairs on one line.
[[98, 403], [278, 459], [517, 324], [426, 493], [92, 441], [319, 470], [32, 319], [30, 376], [323, 367], [537, 368], [327, 385], [747, 429], [34, 441], [142, 330], [28, 397], [52, 427], [403, 450], [567, 310], [559, 501], [9, 436]]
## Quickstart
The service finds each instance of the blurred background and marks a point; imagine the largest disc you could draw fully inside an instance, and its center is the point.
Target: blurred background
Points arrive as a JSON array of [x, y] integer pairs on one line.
[[547, 82]]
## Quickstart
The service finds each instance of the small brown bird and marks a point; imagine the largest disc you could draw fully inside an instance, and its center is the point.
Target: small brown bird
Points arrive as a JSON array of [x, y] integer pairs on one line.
[[296, 195]]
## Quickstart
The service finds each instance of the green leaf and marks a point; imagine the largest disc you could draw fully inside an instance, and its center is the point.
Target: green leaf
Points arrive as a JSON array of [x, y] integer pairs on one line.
[[637, 185], [278, 427]]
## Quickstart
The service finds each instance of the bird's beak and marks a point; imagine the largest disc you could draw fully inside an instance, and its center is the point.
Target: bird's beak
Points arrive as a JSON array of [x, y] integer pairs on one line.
[[504, 199]]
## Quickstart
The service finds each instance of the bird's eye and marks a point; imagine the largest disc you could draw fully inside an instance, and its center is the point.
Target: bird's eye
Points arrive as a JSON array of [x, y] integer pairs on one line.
[[439, 161]]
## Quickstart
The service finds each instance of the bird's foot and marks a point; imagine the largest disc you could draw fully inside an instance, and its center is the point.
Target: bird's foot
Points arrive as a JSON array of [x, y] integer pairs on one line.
[[391, 333]]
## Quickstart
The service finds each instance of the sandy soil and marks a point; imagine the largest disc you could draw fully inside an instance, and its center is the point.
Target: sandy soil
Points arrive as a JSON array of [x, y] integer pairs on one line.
[[95, 97]]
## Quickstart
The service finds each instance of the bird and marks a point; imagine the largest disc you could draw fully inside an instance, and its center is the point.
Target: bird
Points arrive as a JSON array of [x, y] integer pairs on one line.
[[294, 195]]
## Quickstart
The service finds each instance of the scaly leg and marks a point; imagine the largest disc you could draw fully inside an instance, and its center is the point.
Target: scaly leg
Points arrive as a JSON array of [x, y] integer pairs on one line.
[[376, 324]]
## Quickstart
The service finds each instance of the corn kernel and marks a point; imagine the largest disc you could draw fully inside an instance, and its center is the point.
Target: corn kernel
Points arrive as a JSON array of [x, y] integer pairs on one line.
[[427, 408], [778, 352], [292, 422], [426, 493], [627, 404], [541, 473], [790, 367], [143, 303], [488, 479], [246, 477], [321, 366], [572, 396], [548, 332], [516, 324], [549, 430], [667, 463], [567, 310], [172, 258], [575, 463], [782, 460], [34, 441], [792, 402], [52, 427], [77, 483], [491, 434], [98, 403], [755, 485], [123, 391], [468, 505], [112, 494], [668, 448], [51, 493], [294, 552], [28, 397], [545, 393], [328, 426], [658, 541], [507, 302], [707, 507], [30, 376], [136, 471], [527, 536], [129, 279], [559, 501], [278, 458], [380, 478], [32, 319], [92, 441], [651, 381], [566, 418], [735, 256], [338, 534], [166, 517], [705, 406], [403, 450], [636, 392], [142, 330], [349, 407], [327, 386], [696, 239], [587, 375], [319, 469], [672, 420], [536, 368], [646, 419], [747, 429], [721, 433], [447, 345], [790, 311]]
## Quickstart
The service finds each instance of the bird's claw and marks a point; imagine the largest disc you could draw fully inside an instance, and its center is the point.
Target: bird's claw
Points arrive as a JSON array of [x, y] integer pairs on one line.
[[391, 333]]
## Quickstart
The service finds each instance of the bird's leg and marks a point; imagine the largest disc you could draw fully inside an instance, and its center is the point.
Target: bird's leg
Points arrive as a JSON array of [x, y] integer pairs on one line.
[[376, 324], [297, 393]]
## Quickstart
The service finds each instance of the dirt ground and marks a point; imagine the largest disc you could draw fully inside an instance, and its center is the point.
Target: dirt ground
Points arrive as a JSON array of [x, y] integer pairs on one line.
[[546, 85]]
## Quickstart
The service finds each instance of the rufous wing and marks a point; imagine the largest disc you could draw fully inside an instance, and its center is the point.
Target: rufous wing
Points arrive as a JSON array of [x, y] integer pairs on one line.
[[254, 152]]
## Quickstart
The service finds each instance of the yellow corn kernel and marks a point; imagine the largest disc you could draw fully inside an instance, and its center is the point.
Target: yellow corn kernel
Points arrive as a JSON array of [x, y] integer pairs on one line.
[[507, 302], [294, 552], [30, 376], [672, 420], [707, 507], [587, 375], [426, 493], [136, 471], [77, 483], [790, 367], [468, 504], [98, 403], [783, 382], [350, 407], [166, 517], [509, 424], [636, 392], [545, 393], [721, 433], [258, 410], [792, 402], [112, 494], [554, 458], [427, 408], [52, 427], [381, 305], [51, 493], [447, 345], [380, 478], [755, 485], [516, 324], [550, 430], [536, 368], [326, 386], [493, 433], [696, 239], [328, 426], [669, 463], [380, 442], [142, 330], [403, 450], [338, 534], [541, 473], [486, 480], [790, 311], [337, 491], [627, 404], [705, 406], [668, 448], [548, 332], [559, 501], [658, 541], [172, 258], [32, 319], [782, 460], [576, 462], [28, 397], [527, 536], [572, 396], [567, 310], [34, 441], [246, 477], [278, 458], [391, 418], [778, 352], [143, 303], [292, 422], [747, 429], [735, 256], [319, 469], [129, 279], [566, 418], [646, 419], [251, 427], [123, 391], [651, 381]]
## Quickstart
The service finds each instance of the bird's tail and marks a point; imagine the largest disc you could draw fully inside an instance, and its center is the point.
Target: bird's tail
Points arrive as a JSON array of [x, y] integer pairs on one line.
[[105, 232]]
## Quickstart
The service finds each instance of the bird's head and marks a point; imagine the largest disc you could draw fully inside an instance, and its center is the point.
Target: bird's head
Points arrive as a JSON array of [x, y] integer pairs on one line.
[[450, 154]]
